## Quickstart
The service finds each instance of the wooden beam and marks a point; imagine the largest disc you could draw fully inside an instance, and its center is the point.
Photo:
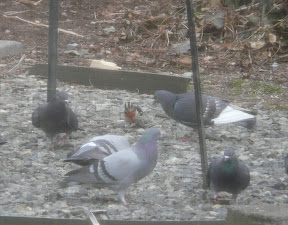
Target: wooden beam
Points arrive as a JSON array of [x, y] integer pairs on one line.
[[116, 79]]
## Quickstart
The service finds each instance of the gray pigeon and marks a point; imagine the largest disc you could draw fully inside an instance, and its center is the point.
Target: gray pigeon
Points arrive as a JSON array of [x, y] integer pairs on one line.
[[182, 108], [55, 117], [123, 168], [98, 148], [228, 174], [286, 164]]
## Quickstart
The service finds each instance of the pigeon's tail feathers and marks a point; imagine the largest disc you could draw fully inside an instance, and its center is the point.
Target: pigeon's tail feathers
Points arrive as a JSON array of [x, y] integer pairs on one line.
[[98, 148], [249, 123], [236, 115], [81, 161], [84, 175]]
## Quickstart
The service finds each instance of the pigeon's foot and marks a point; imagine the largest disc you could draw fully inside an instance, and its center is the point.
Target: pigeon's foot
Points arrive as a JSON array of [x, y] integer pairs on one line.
[[51, 146], [193, 138], [121, 195], [187, 139], [215, 197]]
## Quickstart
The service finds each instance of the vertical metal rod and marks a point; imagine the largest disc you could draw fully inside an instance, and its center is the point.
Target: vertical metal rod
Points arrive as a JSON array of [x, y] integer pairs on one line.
[[197, 87], [52, 49]]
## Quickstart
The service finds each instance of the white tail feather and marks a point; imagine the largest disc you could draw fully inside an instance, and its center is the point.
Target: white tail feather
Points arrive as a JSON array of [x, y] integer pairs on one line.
[[231, 115]]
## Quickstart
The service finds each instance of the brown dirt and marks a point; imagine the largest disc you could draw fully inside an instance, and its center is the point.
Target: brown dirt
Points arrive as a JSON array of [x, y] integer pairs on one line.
[[140, 43]]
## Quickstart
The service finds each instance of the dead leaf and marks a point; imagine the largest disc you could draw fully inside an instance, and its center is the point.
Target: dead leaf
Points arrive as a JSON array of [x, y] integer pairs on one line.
[[257, 44], [95, 48], [186, 60], [101, 64], [272, 38], [207, 59]]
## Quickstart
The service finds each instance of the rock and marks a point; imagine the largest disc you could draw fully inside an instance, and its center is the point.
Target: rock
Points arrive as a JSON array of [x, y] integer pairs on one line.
[[54, 196], [72, 46], [9, 48]]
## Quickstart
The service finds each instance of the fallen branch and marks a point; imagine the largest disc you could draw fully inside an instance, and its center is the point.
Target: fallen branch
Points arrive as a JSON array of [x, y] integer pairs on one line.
[[44, 25]]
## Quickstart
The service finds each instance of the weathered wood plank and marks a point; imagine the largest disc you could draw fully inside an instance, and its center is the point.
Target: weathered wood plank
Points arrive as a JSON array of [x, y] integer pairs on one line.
[[7, 220], [116, 79]]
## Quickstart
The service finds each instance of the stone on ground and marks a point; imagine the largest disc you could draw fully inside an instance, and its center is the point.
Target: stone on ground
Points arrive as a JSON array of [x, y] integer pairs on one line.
[[8, 48]]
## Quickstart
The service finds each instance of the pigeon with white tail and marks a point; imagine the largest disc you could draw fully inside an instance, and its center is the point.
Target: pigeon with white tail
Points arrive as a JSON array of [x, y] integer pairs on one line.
[[216, 111]]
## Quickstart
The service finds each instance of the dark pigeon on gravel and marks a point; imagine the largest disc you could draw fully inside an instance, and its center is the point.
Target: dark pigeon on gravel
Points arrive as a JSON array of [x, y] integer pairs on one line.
[[216, 111], [228, 174], [55, 117], [98, 148], [121, 169], [286, 164]]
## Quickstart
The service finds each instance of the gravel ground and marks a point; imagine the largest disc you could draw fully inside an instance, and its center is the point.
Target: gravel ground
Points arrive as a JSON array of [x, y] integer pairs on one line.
[[31, 175]]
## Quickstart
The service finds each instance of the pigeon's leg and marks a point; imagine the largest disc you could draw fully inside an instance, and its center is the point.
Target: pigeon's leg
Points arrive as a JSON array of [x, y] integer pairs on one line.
[[51, 143], [194, 137], [121, 196], [234, 197]]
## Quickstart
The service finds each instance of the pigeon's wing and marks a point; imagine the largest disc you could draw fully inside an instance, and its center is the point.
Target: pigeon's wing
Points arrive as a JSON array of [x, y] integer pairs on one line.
[[120, 167], [244, 175], [212, 169], [117, 169], [72, 120], [98, 148], [184, 111], [36, 115]]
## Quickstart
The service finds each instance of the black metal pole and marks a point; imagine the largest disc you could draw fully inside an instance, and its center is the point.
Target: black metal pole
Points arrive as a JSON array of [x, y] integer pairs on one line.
[[197, 87], [52, 49]]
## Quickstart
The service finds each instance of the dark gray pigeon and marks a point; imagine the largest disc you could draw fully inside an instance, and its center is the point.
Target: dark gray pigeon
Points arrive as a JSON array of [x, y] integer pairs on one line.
[[182, 108], [286, 164], [55, 117], [228, 174], [98, 148], [121, 169]]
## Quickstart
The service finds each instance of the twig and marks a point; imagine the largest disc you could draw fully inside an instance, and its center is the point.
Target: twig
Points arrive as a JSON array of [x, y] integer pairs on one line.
[[30, 3], [18, 64], [10, 13], [44, 25], [249, 7]]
